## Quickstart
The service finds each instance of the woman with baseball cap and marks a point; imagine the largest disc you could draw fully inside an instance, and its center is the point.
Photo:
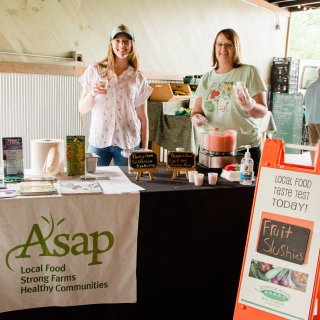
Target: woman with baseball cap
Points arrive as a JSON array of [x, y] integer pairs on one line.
[[116, 93]]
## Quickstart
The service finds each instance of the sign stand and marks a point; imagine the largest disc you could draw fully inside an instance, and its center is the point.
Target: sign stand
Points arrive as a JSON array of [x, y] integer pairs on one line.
[[180, 162], [281, 266], [141, 161], [139, 173], [176, 172]]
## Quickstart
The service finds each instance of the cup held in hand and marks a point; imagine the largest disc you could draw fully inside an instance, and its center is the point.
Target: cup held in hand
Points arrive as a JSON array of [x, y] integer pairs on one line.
[[103, 84]]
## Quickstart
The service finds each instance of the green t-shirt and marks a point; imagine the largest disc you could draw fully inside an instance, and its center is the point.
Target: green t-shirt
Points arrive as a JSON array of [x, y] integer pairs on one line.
[[220, 107]]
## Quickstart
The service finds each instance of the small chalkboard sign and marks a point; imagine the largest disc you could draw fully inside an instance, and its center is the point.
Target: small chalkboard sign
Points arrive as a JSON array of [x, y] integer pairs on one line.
[[283, 241], [143, 161], [179, 161]]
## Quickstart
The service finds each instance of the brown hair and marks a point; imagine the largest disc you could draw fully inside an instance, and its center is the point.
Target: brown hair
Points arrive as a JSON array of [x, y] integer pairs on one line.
[[109, 60], [231, 35]]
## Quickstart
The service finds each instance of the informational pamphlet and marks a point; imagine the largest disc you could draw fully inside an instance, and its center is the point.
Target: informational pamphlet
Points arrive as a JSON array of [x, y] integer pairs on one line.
[[34, 188], [79, 187], [75, 155], [12, 158], [8, 193]]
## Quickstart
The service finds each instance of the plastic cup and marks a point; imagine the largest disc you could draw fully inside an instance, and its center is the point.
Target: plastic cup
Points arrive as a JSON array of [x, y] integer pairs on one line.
[[103, 84], [191, 175], [212, 178], [239, 88], [198, 179]]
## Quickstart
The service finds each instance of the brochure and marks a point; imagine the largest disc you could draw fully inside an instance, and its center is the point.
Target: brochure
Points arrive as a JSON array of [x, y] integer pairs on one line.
[[12, 158], [75, 155], [79, 187], [7, 193], [34, 188]]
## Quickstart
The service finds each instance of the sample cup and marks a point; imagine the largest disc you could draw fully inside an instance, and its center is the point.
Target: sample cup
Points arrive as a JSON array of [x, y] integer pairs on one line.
[[212, 178], [103, 84], [239, 88], [191, 175], [198, 179]]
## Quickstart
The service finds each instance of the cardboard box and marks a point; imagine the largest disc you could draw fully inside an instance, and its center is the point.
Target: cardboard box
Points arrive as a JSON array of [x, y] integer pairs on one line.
[[170, 92]]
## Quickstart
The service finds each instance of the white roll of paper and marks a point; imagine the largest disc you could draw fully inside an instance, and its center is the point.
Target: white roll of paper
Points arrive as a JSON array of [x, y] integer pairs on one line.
[[47, 157]]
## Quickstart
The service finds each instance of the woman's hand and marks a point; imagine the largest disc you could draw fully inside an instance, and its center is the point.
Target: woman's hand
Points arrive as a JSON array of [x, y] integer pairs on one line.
[[199, 120], [243, 98], [99, 87]]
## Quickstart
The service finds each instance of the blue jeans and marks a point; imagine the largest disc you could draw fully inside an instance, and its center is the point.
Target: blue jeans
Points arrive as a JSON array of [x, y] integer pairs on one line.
[[107, 154]]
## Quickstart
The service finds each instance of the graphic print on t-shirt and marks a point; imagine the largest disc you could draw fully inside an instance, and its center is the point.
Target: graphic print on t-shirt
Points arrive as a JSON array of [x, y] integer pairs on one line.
[[219, 98]]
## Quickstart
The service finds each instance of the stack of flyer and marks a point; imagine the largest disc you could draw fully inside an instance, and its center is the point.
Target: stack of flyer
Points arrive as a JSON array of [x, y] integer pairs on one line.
[[8, 193], [79, 187], [36, 188]]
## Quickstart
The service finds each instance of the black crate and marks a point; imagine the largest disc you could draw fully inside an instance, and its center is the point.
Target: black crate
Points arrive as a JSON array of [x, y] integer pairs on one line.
[[284, 67], [277, 71], [290, 62], [293, 80], [284, 88]]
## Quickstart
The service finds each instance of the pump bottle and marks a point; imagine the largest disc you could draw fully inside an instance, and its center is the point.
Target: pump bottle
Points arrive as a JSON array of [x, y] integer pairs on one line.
[[246, 168]]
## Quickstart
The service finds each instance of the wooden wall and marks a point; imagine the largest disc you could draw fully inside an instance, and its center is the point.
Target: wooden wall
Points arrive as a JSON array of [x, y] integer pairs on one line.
[[174, 37]]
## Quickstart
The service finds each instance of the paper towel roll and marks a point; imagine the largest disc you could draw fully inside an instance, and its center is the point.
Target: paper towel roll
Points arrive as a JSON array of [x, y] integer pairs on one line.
[[47, 156]]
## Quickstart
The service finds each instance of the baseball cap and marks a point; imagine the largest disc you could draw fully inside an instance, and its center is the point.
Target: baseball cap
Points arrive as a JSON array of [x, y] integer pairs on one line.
[[122, 28]]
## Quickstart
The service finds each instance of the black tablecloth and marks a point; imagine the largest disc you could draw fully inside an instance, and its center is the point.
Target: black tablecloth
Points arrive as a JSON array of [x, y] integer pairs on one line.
[[191, 242]]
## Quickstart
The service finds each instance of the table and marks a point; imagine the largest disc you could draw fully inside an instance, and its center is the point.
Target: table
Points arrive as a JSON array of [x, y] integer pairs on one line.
[[191, 242]]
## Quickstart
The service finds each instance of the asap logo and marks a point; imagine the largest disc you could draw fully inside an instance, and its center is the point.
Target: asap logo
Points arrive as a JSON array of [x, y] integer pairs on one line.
[[92, 245]]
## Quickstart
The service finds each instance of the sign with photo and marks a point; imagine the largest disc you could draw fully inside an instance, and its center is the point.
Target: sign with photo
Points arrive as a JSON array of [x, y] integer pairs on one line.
[[280, 266]]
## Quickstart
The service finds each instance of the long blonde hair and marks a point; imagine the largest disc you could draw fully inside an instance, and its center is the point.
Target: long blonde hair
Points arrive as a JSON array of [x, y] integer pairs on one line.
[[109, 60], [231, 35]]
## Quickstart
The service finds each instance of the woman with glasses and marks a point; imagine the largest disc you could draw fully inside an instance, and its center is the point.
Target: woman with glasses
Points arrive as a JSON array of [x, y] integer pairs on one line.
[[116, 93], [231, 96]]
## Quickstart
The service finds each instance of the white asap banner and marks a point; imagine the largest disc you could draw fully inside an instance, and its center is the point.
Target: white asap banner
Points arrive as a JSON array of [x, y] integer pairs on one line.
[[63, 251], [283, 249]]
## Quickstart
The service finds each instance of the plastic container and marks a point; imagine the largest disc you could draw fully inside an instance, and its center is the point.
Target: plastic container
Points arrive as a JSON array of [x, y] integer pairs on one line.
[[219, 141], [246, 168]]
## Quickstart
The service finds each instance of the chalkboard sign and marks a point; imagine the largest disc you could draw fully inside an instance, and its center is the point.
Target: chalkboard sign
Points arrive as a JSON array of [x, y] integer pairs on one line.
[[283, 241], [143, 160], [287, 112], [181, 160]]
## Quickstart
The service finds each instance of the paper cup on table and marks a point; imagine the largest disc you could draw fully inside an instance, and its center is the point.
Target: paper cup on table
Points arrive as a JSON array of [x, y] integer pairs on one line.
[[198, 179], [212, 178], [191, 175]]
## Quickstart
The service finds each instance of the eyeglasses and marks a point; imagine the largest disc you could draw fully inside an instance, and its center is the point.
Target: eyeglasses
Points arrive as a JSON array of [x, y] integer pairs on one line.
[[226, 45]]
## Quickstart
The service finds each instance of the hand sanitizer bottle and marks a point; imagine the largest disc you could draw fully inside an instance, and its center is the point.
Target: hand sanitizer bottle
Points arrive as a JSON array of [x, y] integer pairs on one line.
[[246, 168]]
